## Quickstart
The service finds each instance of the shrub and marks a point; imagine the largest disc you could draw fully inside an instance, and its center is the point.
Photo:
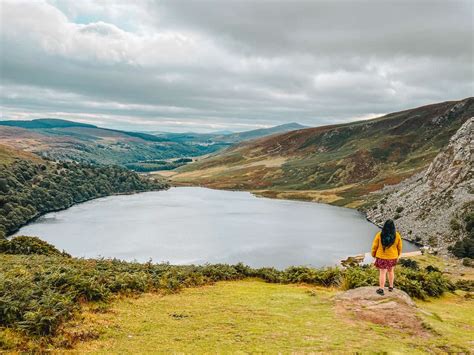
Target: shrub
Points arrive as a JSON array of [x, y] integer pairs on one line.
[[432, 241], [409, 263], [455, 225], [465, 285], [359, 276], [431, 268], [469, 223], [421, 284], [218, 272], [28, 245], [268, 274], [468, 262], [464, 248]]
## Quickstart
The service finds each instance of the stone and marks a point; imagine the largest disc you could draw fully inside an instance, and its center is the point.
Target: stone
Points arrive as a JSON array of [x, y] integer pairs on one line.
[[368, 293], [394, 309]]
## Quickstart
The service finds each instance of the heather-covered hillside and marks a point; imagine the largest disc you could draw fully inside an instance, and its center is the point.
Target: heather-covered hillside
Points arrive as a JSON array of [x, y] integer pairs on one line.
[[339, 164]]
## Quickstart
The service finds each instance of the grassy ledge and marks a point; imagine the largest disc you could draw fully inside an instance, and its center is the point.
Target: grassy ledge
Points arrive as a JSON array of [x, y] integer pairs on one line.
[[253, 316], [46, 297]]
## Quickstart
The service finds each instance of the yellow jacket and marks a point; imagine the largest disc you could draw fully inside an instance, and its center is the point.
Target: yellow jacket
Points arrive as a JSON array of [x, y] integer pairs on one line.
[[393, 252]]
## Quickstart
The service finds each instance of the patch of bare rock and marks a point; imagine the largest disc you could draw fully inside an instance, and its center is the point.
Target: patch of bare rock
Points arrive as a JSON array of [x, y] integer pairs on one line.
[[394, 309]]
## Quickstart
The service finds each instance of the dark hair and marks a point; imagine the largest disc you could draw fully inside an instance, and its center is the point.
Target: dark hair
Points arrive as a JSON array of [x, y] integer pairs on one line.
[[388, 234]]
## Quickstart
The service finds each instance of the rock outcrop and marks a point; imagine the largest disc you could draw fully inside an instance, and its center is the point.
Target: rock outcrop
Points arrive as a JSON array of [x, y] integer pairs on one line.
[[395, 309], [427, 206], [371, 298]]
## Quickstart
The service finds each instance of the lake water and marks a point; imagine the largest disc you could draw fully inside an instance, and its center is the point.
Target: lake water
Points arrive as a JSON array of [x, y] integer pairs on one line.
[[187, 225]]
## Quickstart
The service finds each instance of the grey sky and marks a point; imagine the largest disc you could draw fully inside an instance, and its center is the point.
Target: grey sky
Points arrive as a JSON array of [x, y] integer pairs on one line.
[[211, 65]]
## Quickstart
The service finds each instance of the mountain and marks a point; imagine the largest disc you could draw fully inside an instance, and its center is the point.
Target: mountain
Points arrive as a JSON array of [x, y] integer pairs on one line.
[[262, 132], [222, 132], [65, 127], [228, 137], [73, 141], [338, 164], [44, 123], [435, 206]]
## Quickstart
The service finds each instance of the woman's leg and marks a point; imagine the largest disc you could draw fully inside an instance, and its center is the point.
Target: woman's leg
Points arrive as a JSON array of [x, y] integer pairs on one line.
[[391, 276], [382, 276]]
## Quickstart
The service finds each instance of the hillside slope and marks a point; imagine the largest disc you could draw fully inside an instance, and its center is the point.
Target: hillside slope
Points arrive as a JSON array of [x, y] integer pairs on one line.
[[72, 141], [432, 206], [228, 138], [258, 133], [44, 123], [339, 164]]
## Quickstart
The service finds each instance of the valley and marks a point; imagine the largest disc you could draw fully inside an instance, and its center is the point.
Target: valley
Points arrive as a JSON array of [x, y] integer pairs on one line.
[[73, 141], [414, 166], [236, 177]]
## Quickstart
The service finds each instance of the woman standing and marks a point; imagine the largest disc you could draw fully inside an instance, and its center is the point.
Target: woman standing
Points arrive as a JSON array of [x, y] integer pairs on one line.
[[386, 249]]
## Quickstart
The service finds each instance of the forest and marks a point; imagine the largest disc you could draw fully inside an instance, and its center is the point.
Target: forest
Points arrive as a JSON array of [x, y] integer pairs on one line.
[[30, 188]]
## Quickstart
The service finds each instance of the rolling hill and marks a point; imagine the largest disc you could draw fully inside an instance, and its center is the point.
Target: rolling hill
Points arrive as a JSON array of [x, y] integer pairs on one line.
[[258, 133], [229, 138], [72, 141], [338, 164], [66, 140]]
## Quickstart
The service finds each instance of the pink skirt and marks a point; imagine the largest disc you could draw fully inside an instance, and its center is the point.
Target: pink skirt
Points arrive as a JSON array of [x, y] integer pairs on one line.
[[385, 263]]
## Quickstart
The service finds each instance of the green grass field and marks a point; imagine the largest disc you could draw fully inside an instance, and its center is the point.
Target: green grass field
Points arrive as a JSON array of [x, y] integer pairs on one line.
[[254, 316]]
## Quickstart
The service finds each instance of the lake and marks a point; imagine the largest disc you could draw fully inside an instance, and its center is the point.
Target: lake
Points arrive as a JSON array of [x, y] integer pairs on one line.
[[185, 225]]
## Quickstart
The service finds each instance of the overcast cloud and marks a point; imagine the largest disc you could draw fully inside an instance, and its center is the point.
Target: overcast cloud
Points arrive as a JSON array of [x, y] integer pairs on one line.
[[238, 65]]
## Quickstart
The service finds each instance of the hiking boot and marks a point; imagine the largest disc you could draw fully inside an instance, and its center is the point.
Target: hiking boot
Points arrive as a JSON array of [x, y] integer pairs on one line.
[[380, 291], [390, 289]]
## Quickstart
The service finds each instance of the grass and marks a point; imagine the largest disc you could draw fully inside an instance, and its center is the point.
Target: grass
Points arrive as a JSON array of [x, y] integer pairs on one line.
[[253, 316], [452, 315], [451, 267], [9, 155]]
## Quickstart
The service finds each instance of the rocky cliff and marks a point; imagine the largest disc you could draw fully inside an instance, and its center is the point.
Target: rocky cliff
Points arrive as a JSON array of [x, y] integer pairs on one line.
[[429, 207]]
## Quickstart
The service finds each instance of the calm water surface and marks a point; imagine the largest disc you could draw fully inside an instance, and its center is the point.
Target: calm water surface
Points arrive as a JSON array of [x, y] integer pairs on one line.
[[197, 225]]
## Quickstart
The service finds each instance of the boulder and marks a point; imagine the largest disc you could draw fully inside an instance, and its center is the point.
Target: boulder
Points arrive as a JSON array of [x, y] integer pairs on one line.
[[368, 295], [394, 309]]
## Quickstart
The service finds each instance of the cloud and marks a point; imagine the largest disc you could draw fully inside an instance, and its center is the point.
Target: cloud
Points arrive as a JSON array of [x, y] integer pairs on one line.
[[234, 64]]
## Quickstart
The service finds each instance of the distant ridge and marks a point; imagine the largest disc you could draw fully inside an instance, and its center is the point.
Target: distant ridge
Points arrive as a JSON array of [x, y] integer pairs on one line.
[[62, 139], [44, 123], [51, 123], [262, 132]]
